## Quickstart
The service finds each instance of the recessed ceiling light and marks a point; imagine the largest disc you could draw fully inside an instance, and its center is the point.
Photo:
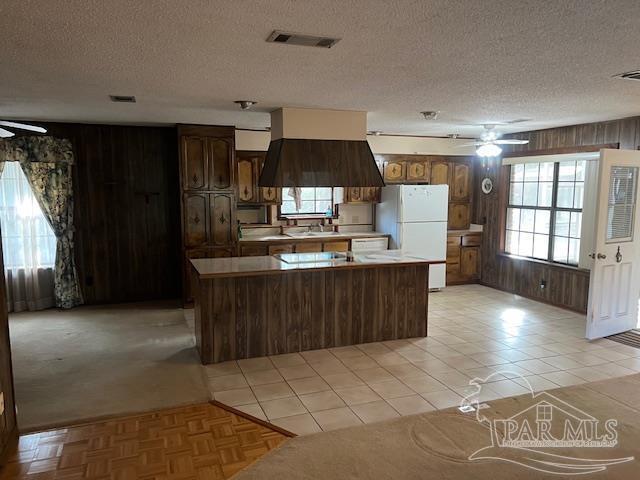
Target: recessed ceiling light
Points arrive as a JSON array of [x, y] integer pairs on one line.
[[377, 133], [245, 104], [430, 114], [453, 135], [123, 98]]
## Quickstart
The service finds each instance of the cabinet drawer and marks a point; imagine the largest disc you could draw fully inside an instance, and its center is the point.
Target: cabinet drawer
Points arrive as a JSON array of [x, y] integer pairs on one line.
[[336, 246], [308, 247], [253, 251], [454, 240], [283, 248], [472, 240]]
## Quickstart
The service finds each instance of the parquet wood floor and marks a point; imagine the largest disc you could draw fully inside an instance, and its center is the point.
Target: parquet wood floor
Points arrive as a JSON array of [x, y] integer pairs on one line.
[[193, 442]]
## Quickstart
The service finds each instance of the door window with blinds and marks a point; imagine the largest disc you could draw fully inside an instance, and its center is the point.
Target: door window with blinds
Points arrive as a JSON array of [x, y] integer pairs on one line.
[[623, 185], [544, 211]]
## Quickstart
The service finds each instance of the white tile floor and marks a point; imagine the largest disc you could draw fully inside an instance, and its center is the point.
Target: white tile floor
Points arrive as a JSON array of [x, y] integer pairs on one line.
[[474, 331]]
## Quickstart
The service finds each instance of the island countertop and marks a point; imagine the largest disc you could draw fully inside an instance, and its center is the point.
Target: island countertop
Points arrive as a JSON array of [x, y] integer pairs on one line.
[[266, 265]]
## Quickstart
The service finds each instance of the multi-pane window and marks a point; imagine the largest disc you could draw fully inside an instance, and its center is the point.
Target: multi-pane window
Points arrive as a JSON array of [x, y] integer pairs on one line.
[[27, 239], [314, 201], [544, 212]]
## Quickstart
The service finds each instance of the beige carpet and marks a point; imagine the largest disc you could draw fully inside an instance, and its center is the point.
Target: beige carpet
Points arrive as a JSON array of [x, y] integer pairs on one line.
[[437, 445], [91, 362]]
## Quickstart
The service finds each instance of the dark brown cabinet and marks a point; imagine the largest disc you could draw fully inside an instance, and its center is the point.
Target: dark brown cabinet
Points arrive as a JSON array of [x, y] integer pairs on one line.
[[223, 224], [440, 172], [207, 163], [357, 195], [249, 192], [207, 168], [194, 164], [459, 216], [470, 262], [195, 219], [393, 171], [418, 171], [463, 258], [461, 182], [221, 153]]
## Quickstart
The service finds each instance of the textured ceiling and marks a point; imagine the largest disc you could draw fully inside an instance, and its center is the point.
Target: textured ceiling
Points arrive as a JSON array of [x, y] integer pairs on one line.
[[476, 61]]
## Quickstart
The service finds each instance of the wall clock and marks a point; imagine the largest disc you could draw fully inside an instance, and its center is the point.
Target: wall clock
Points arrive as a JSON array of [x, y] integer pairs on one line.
[[487, 185]]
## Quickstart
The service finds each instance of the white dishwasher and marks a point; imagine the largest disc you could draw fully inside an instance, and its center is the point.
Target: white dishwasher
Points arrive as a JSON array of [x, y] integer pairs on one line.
[[369, 244]]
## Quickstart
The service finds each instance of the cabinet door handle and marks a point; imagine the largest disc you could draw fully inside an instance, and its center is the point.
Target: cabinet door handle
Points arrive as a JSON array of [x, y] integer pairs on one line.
[[601, 256], [196, 219], [222, 219], [195, 178]]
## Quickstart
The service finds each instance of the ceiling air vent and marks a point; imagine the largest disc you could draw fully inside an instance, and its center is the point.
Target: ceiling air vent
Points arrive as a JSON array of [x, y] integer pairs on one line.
[[634, 75], [123, 98], [300, 39]]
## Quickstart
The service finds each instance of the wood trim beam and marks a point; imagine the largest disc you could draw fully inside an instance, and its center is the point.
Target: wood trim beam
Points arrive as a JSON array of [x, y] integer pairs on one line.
[[561, 150]]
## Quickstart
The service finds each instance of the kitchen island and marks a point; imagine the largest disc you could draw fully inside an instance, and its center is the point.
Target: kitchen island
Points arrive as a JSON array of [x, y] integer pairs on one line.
[[269, 305]]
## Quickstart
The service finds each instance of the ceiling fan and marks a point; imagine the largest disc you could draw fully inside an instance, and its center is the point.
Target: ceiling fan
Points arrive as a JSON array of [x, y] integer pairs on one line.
[[4, 133], [488, 145]]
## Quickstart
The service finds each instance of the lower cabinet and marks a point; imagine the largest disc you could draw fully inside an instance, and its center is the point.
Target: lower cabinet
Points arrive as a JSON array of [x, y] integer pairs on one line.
[[280, 248], [336, 246], [256, 249], [463, 258]]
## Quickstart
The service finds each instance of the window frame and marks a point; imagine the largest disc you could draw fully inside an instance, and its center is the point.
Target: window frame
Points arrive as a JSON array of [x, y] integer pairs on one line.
[[553, 210], [304, 216]]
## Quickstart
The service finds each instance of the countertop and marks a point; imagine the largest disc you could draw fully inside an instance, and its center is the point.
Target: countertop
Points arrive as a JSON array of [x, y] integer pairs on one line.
[[472, 229], [267, 265], [306, 238]]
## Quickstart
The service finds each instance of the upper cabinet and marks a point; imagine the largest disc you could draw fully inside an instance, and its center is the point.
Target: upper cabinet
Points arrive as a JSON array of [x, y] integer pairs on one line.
[[440, 170], [393, 171], [207, 160], [220, 163], [247, 191], [461, 182], [418, 171], [194, 162], [249, 166], [457, 172]]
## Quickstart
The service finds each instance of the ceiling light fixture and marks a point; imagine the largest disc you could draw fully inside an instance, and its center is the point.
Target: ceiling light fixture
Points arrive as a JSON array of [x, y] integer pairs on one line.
[[377, 133], [245, 104], [430, 114], [488, 150]]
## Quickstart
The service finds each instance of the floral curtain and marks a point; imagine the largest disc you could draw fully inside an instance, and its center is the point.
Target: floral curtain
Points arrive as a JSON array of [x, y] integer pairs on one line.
[[47, 163]]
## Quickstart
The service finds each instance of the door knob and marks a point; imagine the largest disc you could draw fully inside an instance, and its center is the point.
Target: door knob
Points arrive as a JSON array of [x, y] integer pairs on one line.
[[601, 256]]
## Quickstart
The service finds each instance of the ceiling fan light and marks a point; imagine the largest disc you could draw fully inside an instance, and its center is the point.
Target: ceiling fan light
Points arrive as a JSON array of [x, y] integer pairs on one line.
[[488, 150]]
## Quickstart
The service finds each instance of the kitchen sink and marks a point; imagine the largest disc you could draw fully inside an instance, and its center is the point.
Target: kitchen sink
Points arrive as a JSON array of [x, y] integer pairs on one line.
[[311, 234]]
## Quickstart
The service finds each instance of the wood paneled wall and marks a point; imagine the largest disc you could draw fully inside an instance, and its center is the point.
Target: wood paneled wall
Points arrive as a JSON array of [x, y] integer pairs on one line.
[[126, 211], [565, 287]]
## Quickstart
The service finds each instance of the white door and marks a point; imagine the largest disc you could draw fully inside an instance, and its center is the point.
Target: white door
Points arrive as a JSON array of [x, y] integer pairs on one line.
[[424, 203], [614, 287]]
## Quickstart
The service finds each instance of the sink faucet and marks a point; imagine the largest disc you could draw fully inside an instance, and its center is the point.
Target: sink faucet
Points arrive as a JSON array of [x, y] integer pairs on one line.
[[311, 225]]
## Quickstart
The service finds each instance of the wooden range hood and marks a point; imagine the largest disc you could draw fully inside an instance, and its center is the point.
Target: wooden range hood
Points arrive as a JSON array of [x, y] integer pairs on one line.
[[319, 148]]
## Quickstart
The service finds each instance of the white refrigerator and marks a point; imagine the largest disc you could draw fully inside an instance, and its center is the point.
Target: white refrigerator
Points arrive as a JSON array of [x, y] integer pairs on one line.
[[415, 216]]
